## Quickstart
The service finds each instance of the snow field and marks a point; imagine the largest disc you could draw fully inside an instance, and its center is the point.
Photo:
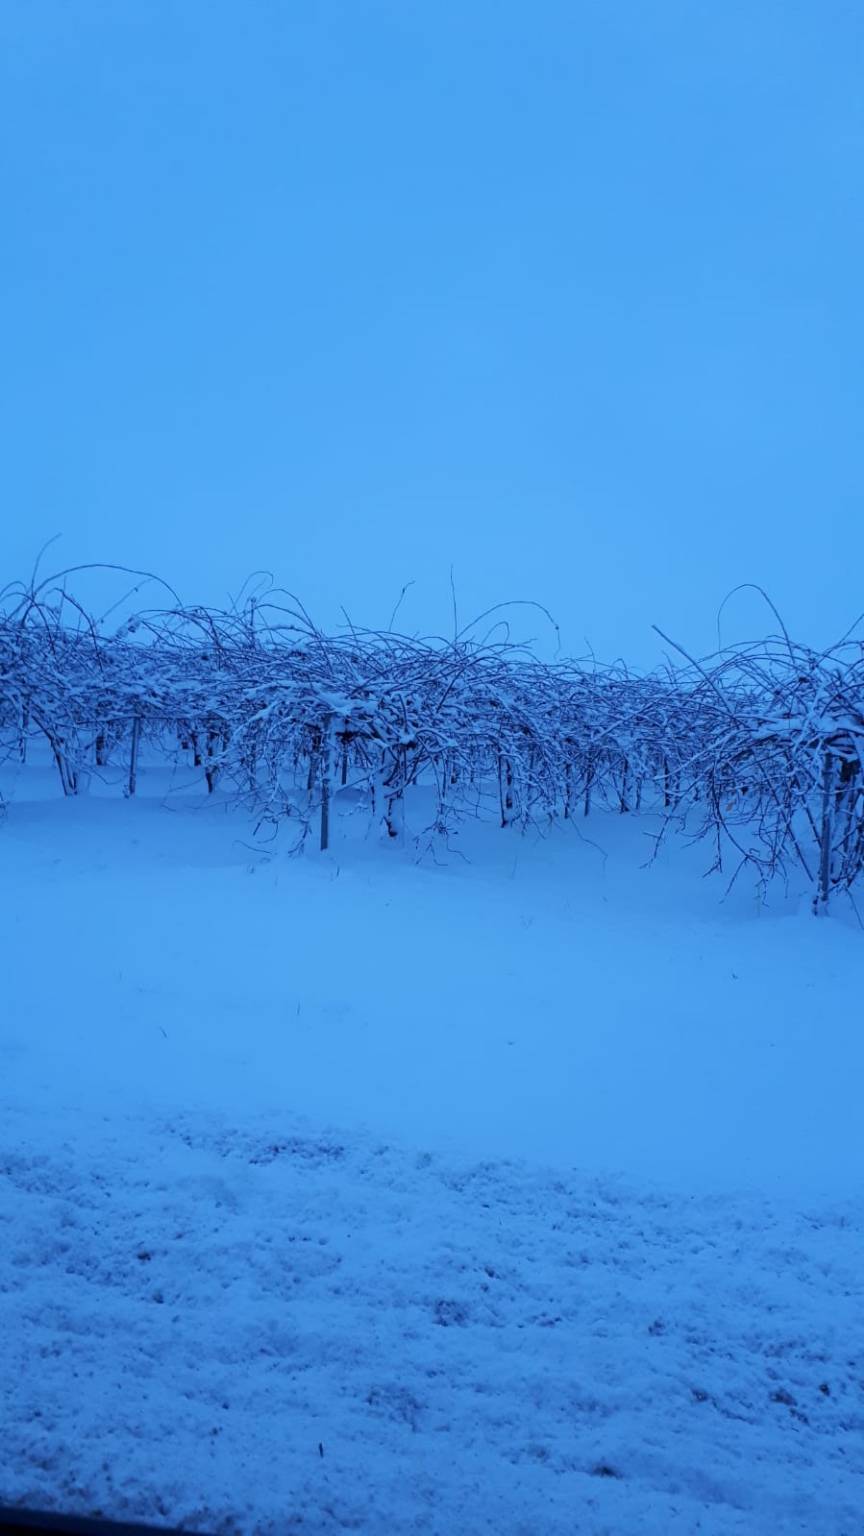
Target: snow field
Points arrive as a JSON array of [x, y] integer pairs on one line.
[[270, 1328], [519, 1192]]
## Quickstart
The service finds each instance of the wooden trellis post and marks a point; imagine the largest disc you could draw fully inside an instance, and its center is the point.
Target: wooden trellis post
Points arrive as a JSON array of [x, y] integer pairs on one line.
[[133, 754], [826, 838], [326, 758]]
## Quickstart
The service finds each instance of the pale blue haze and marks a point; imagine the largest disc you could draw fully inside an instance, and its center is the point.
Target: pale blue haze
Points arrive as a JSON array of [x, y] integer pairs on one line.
[[567, 295]]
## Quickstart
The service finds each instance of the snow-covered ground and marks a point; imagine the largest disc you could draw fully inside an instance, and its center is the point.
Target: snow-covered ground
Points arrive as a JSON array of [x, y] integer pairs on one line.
[[517, 1192]]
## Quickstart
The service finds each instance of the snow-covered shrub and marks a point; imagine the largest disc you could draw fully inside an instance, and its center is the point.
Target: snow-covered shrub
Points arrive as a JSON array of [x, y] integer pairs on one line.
[[762, 742]]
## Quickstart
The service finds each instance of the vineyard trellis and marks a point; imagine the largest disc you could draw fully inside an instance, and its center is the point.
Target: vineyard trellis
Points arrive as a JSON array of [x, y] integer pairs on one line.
[[758, 749]]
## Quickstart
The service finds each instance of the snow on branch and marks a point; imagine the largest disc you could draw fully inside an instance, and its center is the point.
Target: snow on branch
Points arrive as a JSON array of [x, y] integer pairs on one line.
[[762, 743]]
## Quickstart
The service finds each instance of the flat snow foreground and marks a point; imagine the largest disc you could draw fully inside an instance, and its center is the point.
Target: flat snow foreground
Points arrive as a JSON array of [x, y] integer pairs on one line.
[[267, 1328], [515, 1195]]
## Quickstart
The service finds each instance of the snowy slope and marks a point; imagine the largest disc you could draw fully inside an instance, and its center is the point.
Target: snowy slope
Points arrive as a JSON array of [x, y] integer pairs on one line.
[[195, 1310], [551, 999], [526, 1185]]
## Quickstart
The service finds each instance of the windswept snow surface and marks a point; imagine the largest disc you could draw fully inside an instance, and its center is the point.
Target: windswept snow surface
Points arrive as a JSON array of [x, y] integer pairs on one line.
[[266, 1327], [519, 1193]]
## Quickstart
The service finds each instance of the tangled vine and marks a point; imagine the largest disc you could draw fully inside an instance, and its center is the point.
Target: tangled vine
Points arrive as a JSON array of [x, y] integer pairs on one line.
[[759, 748]]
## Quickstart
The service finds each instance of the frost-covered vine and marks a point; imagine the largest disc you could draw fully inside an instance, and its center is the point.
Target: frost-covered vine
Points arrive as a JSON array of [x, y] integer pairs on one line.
[[763, 743]]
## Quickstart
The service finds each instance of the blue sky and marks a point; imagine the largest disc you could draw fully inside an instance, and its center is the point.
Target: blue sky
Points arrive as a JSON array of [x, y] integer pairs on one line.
[[565, 295]]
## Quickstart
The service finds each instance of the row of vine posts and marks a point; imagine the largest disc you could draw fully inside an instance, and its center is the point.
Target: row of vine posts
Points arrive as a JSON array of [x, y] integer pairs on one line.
[[758, 749]]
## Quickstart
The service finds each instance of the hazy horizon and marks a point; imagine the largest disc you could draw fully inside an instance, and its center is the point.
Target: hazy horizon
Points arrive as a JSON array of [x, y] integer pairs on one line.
[[568, 302]]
